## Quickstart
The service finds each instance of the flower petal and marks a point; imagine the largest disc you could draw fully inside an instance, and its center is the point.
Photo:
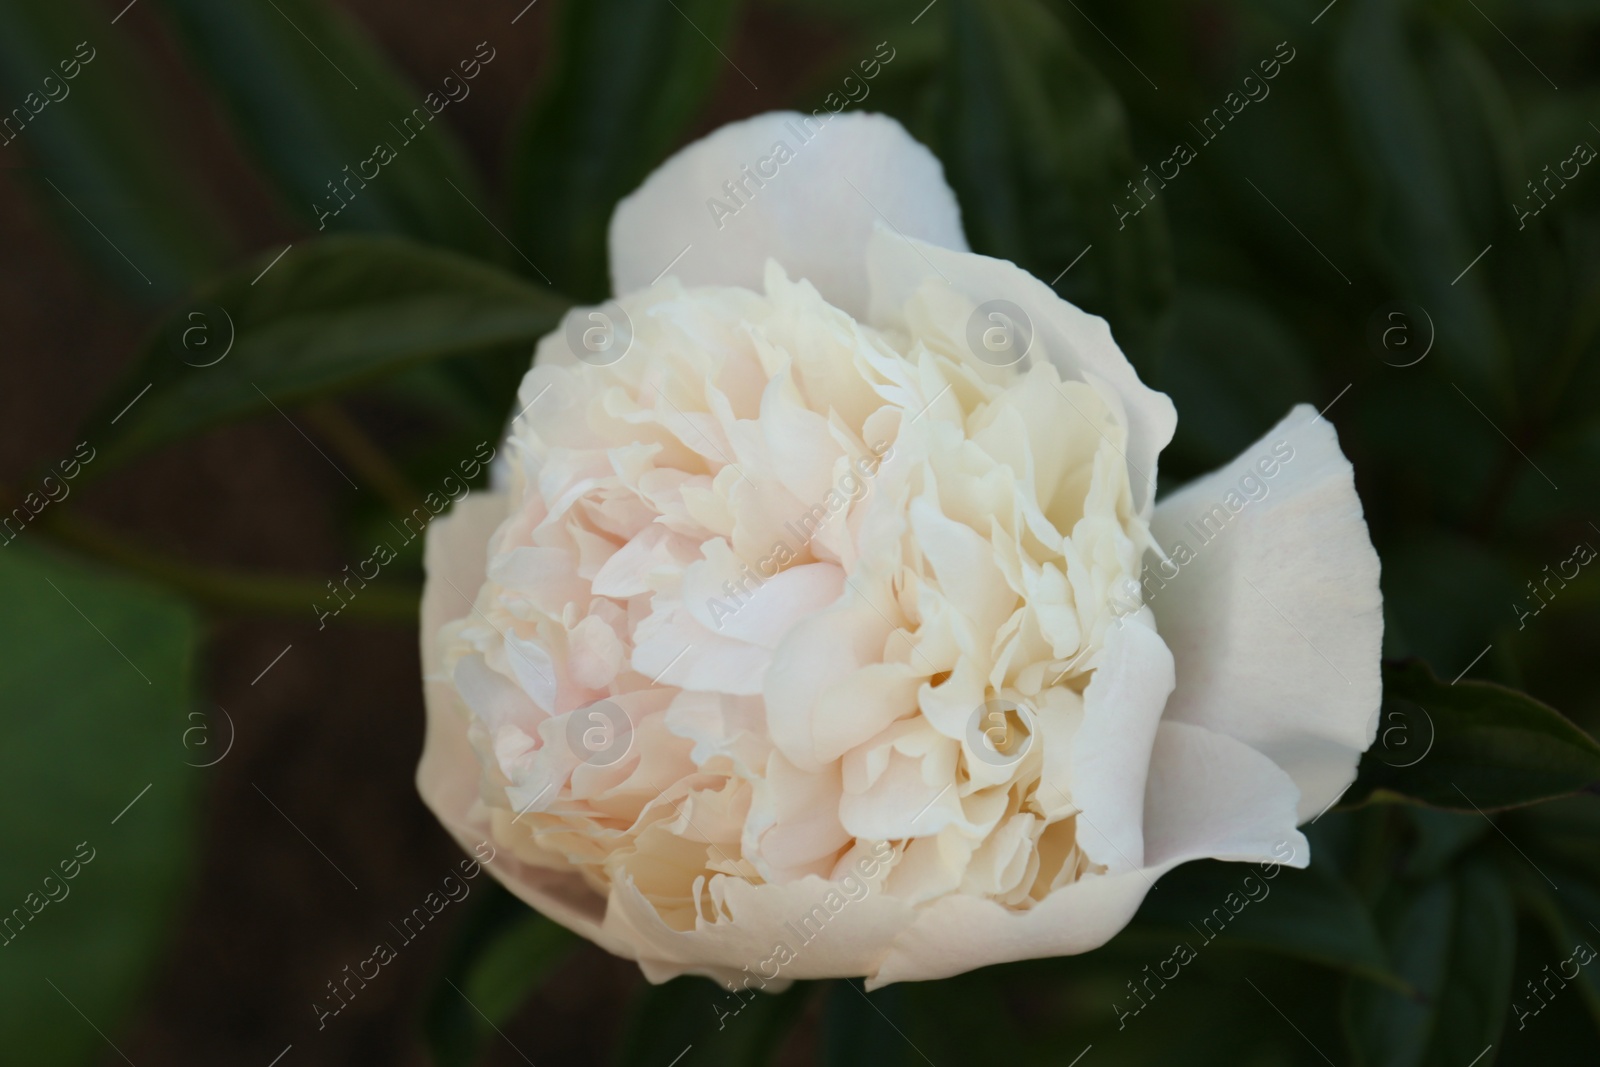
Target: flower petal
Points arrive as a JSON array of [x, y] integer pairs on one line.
[[456, 556], [1273, 612], [766, 934], [813, 212], [959, 933], [1210, 796], [1077, 343], [449, 773], [1111, 753], [1207, 795]]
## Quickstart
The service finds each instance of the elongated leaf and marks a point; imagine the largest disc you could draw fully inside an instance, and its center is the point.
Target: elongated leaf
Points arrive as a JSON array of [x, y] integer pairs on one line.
[[1586, 9], [330, 315], [504, 952], [1439, 837], [726, 1029], [629, 76], [1569, 910], [1454, 940], [98, 800], [1442, 592], [1310, 914], [1471, 1006], [860, 1028], [1492, 747], [1232, 368], [1420, 222], [1477, 128], [314, 101], [83, 114], [1564, 830], [900, 77], [1035, 145], [1390, 1030]]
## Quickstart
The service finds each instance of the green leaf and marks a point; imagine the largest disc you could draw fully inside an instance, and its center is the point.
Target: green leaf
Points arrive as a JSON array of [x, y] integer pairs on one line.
[[311, 96], [97, 836], [1035, 144], [1477, 128], [629, 76], [899, 83], [510, 969], [1564, 829], [1454, 940], [861, 1029], [504, 952], [1492, 747], [1576, 9], [726, 1029], [1418, 215], [329, 316], [1438, 838], [1444, 595], [1309, 914], [104, 168], [1233, 367], [1569, 912]]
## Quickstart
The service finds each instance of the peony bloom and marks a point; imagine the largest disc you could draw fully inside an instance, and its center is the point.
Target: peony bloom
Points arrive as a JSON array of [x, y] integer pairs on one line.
[[825, 623]]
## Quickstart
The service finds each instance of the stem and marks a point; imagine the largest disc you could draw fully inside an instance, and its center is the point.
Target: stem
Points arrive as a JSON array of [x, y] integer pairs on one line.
[[228, 589], [335, 426]]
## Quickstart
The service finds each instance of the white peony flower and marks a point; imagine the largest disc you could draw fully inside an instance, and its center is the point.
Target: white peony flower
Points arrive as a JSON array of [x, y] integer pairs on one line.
[[827, 625]]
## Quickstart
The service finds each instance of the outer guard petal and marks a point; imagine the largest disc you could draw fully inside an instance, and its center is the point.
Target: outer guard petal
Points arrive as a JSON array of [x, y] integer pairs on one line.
[[814, 214], [1277, 620]]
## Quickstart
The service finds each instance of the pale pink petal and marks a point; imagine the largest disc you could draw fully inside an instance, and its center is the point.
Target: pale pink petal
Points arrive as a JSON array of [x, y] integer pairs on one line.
[[448, 774]]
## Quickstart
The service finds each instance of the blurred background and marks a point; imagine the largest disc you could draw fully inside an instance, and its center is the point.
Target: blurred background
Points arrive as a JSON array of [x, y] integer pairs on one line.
[[229, 369]]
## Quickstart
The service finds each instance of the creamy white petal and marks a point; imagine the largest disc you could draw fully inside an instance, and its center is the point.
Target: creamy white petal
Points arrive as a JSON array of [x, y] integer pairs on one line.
[[1206, 795], [1276, 622], [825, 931], [846, 637], [901, 803], [1111, 752], [1077, 343], [628, 571], [733, 599], [794, 822], [1210, 796], [959, 933], [814, 214]]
